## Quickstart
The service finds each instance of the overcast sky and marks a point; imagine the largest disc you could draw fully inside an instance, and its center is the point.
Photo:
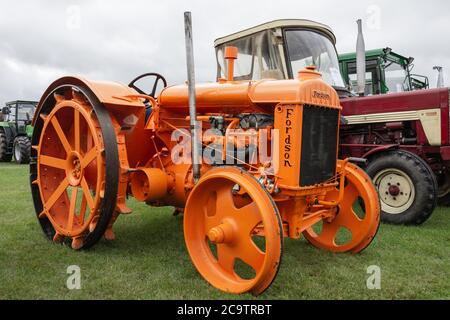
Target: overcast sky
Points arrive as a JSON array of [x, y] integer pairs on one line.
[[118, 40]]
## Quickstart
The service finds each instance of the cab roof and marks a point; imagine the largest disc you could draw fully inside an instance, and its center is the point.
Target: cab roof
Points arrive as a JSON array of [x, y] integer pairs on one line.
[[281, 23], [21, 101], [375, 53]]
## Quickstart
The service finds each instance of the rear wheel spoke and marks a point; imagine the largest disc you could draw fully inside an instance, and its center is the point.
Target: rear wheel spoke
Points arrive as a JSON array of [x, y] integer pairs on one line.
[[61, 135], [87, 193], [52, 162], [56, 194], [82, 213], [89, 157], [73, 205], [76, 130]]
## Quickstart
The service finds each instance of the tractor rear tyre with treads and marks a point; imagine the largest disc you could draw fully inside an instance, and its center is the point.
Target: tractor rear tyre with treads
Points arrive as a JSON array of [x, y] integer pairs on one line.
[[4, 156], [406, 185], [444, 188], [22, 147]]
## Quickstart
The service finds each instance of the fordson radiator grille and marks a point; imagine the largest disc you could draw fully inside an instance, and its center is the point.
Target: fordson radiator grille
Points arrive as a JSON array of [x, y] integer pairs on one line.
[[319, 145]]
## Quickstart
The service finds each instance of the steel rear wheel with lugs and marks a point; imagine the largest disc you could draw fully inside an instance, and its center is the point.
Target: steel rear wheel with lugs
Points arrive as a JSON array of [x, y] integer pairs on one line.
[[355, 225], [233, 231], [74, 169]]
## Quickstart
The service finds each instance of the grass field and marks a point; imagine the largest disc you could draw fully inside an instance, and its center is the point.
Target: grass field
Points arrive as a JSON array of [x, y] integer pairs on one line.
[[149, 260]]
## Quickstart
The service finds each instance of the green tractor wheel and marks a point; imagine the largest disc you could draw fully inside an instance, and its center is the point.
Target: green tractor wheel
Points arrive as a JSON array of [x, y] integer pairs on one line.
[[4, 155], [22, 148]]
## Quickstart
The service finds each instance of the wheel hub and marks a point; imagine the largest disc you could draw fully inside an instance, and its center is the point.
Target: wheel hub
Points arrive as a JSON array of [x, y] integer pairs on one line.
[[74, 169], [396, 190], [222, 233]]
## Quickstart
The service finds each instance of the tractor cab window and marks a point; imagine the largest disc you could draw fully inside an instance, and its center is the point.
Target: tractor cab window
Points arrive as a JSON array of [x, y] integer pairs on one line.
[[258, 58], [373, 77], [368, 91], [396, 77], [12, 113], [306, 48], [26, 112]]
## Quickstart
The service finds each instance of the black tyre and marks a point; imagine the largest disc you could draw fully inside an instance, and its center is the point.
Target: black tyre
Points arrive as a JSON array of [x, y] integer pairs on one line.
[[406, 185], [22, 148], [4, 155], [444, 188]]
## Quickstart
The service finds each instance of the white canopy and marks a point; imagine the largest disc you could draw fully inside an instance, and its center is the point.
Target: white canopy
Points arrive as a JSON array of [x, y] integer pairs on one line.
[[282, 23]]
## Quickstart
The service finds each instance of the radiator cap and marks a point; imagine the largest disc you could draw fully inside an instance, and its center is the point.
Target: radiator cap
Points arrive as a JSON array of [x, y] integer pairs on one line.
[[309, 73]]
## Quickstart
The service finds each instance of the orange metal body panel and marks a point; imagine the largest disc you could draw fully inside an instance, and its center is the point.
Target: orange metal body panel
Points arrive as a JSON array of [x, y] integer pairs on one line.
[[248, 96], [288, 119]]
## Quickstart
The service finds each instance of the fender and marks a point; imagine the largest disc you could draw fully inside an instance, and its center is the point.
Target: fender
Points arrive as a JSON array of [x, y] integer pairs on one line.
[[380, 149], [119, 99], [125, 106]]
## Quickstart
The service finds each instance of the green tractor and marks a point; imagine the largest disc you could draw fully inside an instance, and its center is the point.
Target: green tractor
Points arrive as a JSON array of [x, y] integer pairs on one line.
[[386, 72], [16, 131]]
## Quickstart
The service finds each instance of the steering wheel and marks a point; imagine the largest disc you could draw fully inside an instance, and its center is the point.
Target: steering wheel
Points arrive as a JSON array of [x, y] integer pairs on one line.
[[155, 86]]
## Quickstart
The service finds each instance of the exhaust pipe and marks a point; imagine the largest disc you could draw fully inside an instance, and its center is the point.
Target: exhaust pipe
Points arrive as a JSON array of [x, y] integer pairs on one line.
[[195, 145], [440, 81], [360, 60]]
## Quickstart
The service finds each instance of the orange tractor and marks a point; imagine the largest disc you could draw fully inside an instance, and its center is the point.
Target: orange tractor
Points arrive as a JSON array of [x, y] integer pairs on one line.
[[95, 143]]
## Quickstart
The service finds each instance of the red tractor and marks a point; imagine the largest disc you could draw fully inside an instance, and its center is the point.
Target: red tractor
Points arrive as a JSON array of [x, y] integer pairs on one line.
[[404, 136]]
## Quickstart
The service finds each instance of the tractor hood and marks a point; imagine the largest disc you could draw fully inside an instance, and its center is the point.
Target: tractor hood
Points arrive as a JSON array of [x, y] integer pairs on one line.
[[243, 96]]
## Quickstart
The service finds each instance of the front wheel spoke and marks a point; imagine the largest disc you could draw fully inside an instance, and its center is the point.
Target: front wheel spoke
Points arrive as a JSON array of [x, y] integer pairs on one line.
[[226, 258], [87, 193], [52, 162], [249, 217], [89, 157], [350, 195], [56, 194], [349, 219], [251, 254], [61, 135], [225, 201], [211, 222], [329, 232], [73, 204]]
